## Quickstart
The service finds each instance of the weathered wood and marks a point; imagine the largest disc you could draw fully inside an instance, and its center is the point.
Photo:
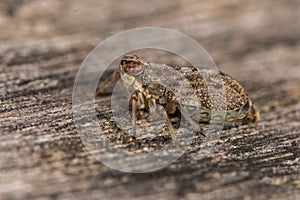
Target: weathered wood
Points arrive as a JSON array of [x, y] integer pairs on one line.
[[42, 157]]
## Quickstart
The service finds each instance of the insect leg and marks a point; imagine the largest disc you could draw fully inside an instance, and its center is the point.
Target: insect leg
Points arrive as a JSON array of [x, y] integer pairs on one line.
[[137, 102], [107, 82], [155, 110], [133, 114], [194, 124]]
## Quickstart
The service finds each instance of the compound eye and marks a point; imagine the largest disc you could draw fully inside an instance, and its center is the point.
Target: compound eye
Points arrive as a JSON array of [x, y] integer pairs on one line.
[[133, 68], [123, 62]]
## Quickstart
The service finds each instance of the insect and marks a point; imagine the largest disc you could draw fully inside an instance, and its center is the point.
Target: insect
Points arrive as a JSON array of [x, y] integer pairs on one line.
[[146, 95]]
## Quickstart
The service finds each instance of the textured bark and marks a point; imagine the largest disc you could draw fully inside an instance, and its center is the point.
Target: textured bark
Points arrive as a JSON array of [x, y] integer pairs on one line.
[[42, 157]]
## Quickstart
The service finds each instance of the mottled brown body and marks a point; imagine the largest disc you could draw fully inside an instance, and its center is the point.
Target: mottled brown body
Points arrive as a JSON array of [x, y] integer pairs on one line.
[[220, 98]]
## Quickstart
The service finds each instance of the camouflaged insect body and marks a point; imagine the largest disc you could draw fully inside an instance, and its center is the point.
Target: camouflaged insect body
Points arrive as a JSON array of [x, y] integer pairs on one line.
[[219, 96], [201, 95]]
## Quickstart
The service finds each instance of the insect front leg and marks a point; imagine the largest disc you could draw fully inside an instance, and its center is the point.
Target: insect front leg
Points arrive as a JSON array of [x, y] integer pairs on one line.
[[138, 101], [133, 114]]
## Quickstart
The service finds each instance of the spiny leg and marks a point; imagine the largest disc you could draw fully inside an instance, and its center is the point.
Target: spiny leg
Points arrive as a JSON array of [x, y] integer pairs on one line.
[[107, 82]]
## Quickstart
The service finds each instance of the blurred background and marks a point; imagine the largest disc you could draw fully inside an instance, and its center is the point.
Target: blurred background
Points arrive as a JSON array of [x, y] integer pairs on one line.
[[250, 34]]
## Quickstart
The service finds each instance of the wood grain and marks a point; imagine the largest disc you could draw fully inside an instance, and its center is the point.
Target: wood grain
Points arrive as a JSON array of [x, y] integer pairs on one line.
[[41, 155]]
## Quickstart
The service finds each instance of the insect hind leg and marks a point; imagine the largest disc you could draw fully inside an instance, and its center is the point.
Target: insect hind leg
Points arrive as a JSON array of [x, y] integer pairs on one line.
[[202, 128], [107, 82]]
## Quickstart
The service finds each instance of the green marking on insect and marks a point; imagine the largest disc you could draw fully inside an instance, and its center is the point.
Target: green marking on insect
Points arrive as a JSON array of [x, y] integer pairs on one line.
[[235, 109]]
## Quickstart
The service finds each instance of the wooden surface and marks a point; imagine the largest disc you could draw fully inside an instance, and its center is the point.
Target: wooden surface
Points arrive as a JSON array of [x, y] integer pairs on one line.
[[42, 46]]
